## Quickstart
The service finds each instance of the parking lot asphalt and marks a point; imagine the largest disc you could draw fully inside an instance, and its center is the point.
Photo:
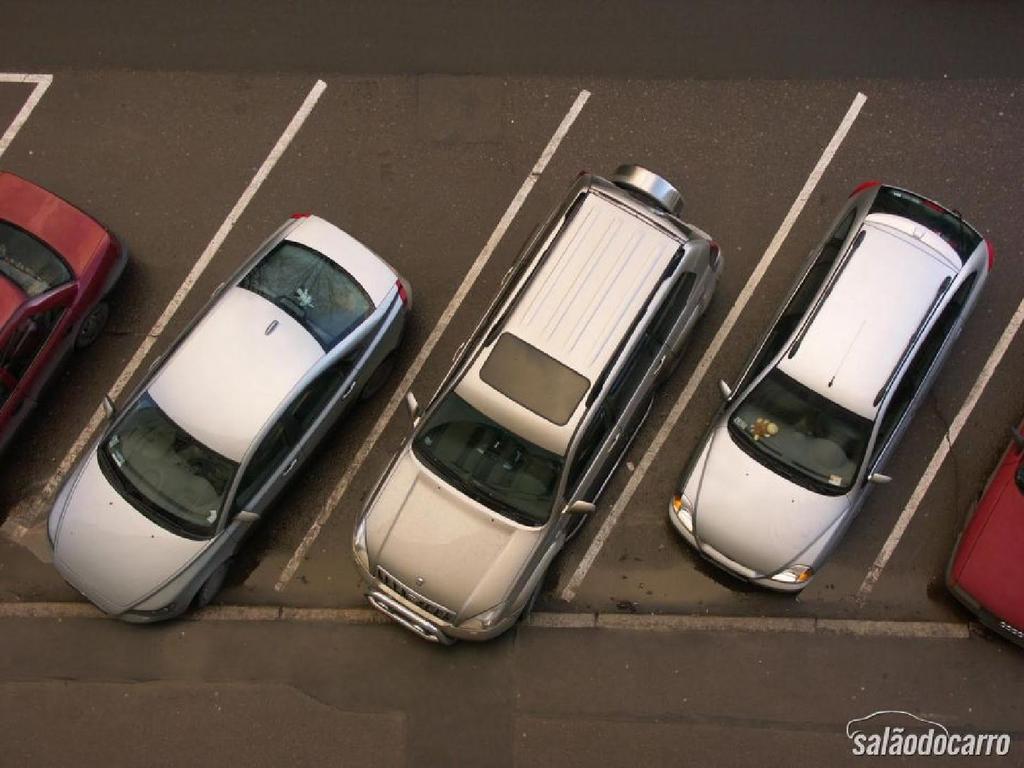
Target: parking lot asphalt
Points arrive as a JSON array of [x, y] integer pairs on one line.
[[91, 693], [422, 167]]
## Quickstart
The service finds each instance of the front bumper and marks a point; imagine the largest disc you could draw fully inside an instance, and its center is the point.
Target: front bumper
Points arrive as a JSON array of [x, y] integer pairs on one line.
[[1002, 628], [733, 569], [419, 622]]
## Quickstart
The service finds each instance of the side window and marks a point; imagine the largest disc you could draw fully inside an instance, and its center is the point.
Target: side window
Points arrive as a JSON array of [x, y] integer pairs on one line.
[[593, 436], [26, 342], [310, 403], [804, 295], [675, 304], [630, 377], [267, 458], [916, 372]]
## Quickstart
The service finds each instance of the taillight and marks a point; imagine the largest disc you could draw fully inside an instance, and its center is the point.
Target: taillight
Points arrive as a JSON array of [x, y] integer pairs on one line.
[[715, 253], [301, 215], [403, 294], [582, 173], [991, 254], [934, 206], [861, 187]]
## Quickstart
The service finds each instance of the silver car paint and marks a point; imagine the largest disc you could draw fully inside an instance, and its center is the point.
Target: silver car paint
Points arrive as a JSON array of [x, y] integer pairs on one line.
[[99, 564], [480, 561], [738, 533]]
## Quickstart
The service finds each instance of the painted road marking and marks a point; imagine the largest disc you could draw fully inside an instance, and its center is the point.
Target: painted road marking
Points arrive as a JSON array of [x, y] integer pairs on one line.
[[945, 445], [435, 335], [642, 622], [20, 521], [569, 592], [42, 82]]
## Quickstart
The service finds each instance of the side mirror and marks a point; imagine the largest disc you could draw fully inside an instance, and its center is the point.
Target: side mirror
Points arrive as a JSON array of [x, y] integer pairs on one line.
[[725, 389], [1018, 438], [580, 507], [413, 407], [246, 517], [878, 478], [108, 407]]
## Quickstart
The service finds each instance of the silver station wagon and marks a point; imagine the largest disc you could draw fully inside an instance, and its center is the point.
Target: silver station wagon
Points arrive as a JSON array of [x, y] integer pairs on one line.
[[147, 522], [807, 431], [517, 444]]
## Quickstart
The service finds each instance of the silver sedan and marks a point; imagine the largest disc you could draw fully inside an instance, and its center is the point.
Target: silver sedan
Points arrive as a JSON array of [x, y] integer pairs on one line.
[[147, 523]]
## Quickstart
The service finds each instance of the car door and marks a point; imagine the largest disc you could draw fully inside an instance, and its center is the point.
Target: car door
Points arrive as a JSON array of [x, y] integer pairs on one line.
[[38, 341], [918, 377], [676, 316], [323, 401]]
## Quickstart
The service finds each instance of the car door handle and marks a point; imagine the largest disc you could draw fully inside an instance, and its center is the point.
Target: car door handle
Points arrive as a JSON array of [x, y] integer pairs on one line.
[[348, 389], [291, 466]]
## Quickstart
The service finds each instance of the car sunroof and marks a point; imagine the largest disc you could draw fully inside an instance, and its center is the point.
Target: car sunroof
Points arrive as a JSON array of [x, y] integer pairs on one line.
[[533, 379]]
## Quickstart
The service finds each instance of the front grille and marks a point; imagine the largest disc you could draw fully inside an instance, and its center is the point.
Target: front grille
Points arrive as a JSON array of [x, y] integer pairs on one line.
[[424, 604]]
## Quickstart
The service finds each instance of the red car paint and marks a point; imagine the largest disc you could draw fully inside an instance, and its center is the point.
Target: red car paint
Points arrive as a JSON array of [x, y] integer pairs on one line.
[[95, 260], [986, 571]]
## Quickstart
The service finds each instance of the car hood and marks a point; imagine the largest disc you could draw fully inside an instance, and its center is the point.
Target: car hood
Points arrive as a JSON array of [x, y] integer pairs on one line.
[[989, 563], [419, 527], [111, 552], [753, 516]]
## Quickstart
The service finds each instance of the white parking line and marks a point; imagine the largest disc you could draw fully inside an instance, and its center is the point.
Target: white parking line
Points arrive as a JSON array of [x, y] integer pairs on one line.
[[955, 427], [20, 521], [435, 335], [569, 592], [42, 82]]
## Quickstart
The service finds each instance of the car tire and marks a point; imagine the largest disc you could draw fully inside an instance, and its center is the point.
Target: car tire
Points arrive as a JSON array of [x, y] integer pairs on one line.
[[92, 325], [378, 378], [211, 586]]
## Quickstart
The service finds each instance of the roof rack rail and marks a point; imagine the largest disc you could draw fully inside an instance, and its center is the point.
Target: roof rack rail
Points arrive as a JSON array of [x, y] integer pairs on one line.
[[943, 288]]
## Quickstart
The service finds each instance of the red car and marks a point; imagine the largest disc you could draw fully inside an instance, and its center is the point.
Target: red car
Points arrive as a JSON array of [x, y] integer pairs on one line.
[[57, 266], [986, 572]]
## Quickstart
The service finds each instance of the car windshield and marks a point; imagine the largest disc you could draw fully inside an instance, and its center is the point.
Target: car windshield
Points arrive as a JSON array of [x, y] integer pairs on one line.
[[314, 290], [489, 463], [164, 471], [28, 263], [800, 434]]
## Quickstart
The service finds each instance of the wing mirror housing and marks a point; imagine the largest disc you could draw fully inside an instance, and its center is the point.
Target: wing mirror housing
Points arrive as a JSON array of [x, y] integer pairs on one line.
[[413, 406], [580, 507], [878, 478], [245, 516], [725, 389], [108, 407]]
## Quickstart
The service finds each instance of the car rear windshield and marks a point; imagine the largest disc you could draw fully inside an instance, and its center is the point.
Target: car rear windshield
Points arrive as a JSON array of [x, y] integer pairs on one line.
[[534, 379], [800, 434], [961, 237], [165, 472], [318, 293], [28, 263], [489, 463]]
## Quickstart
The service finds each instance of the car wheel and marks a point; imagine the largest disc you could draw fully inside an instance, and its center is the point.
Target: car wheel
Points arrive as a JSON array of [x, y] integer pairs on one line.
[[378, 378], [93, 324], [212, 585]]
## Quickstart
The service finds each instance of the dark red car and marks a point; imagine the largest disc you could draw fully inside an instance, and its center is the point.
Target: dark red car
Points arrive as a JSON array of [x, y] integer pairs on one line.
[[986, 572], [57, 266]]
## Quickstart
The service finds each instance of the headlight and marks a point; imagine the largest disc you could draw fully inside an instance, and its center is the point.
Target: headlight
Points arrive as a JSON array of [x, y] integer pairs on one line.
[[484, 620], [683, 508], [359, 545], [795, 574]]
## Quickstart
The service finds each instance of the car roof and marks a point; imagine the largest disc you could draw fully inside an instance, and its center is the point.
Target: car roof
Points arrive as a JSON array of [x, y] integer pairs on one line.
[[851, 346], [73, 234], [231, 373], [582, 302]]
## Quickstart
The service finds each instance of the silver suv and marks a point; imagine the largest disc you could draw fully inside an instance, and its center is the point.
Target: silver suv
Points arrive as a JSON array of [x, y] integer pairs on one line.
[[792, 455], [521, 437]]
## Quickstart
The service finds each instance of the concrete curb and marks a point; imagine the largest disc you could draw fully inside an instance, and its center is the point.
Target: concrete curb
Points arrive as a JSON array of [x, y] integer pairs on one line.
[[643, 622]]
